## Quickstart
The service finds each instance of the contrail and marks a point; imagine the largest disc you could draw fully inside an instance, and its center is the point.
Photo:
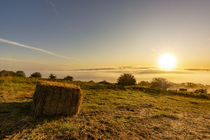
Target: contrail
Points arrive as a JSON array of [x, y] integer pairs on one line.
[[53, 6], [33, 48]]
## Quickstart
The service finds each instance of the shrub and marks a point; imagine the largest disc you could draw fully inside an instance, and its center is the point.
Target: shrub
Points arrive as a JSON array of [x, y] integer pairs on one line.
[[126, 79], [20, 74], [52, 76], [144, 83], [201, 91], [91, 81], [160, 84], [68, 78], [7, 73], [36, 75], [104, 82]]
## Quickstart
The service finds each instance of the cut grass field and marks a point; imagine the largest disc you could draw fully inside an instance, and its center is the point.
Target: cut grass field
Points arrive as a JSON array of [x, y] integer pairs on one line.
[[105, 114]]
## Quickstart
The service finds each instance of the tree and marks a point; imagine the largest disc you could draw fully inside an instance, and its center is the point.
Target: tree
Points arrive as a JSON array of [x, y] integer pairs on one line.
[[52, 76], [68, 78], [126, 79], [20, 74], [7, 73], [160, 84], [36, 75]]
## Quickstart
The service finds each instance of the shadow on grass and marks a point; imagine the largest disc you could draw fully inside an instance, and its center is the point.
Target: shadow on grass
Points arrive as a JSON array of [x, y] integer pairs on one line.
[[17, 116]]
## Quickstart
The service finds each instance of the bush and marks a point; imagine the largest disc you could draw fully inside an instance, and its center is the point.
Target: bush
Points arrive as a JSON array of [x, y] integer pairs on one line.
[[160, 84], [7, 73], [20, 74], [201, 91], [36, 75], [68, 78], [126, 79], [13, 74], [52, 76], [144, 84], [104, 82], [91, 81]]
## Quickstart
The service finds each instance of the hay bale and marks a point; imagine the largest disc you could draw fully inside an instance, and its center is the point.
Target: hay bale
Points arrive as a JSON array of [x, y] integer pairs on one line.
[[53, 98]]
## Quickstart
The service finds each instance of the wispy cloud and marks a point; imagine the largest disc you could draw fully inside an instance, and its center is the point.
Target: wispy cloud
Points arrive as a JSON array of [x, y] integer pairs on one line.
[[11, 59], [198, 69], [34, 48], [16, 63], [18, 60]]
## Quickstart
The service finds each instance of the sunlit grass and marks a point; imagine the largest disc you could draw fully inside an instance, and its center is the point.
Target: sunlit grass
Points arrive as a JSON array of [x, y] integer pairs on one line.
[[106, 113]]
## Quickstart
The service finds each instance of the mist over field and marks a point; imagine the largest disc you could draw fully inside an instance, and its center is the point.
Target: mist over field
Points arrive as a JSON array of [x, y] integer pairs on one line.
[[141, 74]]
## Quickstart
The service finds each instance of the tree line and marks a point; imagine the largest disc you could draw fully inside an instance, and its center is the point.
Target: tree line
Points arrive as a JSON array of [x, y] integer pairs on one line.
[[125, 79], [5, 73]]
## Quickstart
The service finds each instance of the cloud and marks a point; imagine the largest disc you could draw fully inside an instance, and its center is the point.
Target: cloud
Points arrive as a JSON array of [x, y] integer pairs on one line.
[[25, 64], [161, 72], [21, 60], [33, 48], [198, 69], [10, 59]]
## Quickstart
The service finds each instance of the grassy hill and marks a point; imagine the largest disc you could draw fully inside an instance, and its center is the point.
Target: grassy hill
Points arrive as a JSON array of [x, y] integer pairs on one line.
[[107, 112]]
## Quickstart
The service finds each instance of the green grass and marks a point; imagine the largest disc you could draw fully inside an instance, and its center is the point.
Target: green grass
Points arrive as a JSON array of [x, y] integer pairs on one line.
[[106, 113]]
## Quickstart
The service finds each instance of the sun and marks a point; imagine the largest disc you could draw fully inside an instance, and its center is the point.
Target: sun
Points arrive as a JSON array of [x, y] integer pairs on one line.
[[167, 61]]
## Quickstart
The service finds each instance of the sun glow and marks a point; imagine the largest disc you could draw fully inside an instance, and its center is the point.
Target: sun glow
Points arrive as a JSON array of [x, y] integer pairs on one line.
[[167, 61]]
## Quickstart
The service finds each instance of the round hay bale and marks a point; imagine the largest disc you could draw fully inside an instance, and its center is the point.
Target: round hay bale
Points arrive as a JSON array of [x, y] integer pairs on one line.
[[53, 98]]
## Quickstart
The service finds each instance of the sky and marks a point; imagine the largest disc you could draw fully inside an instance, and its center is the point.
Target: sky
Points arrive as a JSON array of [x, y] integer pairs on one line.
[[68, 34]]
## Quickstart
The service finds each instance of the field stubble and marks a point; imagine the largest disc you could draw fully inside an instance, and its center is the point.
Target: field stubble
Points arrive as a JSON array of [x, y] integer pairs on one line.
[[105, 114]]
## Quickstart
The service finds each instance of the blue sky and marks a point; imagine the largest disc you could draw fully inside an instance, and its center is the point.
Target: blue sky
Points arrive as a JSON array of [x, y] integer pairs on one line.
[[103, 33]]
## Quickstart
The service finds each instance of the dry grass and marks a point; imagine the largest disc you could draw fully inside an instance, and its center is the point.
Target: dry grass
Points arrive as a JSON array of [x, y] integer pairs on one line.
[[57, 84], [110, 114]]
